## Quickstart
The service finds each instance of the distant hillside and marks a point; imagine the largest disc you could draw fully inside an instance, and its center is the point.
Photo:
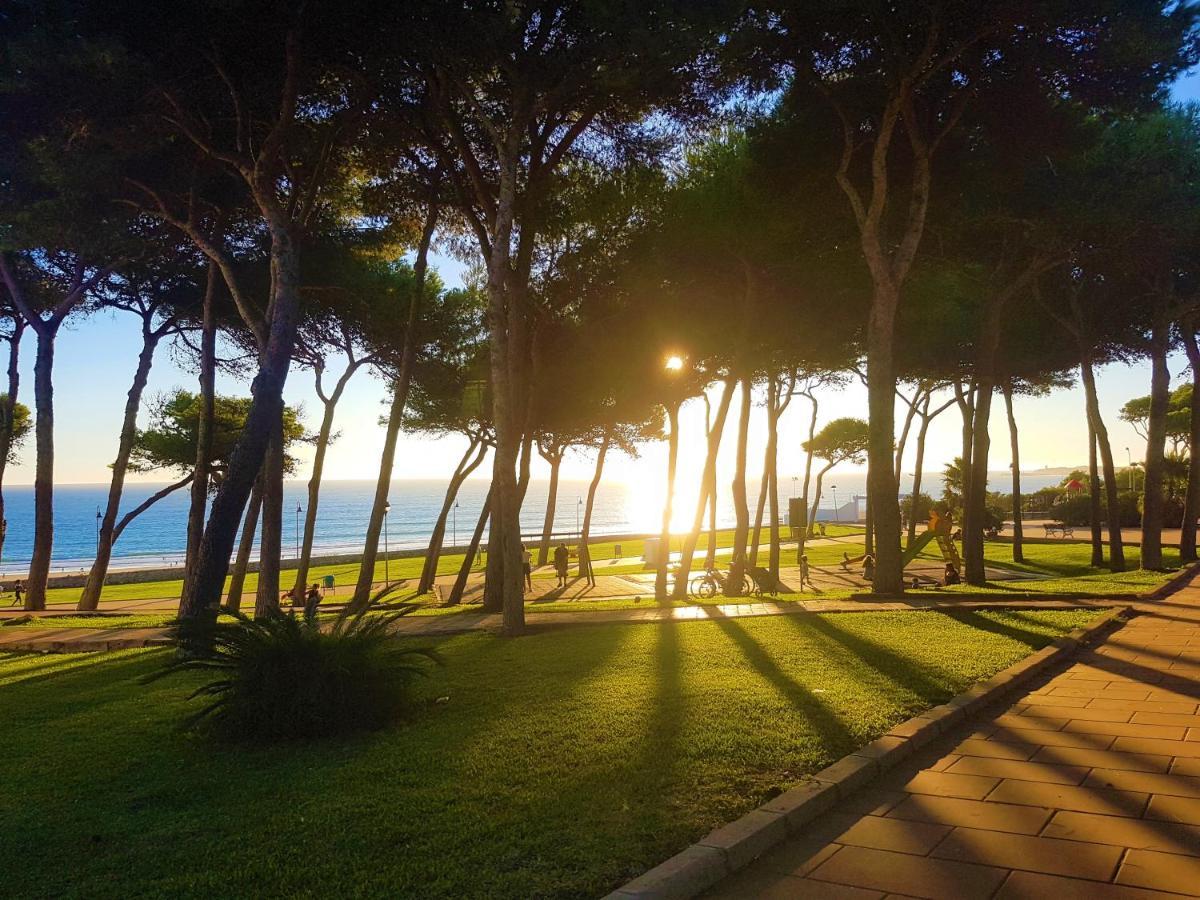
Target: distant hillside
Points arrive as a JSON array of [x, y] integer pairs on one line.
[[1055, 472]]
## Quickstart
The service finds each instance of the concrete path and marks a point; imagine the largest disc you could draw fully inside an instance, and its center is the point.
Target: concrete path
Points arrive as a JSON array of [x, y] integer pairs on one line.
[[1087, 786], [79, 640]]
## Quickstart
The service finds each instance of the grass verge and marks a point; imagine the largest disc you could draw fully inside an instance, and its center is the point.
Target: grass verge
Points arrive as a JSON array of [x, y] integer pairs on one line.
[[556, 765]]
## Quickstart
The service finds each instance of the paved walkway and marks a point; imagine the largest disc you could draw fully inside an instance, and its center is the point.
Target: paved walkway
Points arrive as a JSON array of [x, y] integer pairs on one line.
[[78, 640], [1086, 786]]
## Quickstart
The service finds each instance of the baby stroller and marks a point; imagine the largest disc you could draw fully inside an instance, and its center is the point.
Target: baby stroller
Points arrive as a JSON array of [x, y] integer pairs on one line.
[[763, 582]]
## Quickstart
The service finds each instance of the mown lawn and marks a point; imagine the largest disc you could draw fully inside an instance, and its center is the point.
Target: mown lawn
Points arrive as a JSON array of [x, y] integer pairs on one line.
[[555, 765]]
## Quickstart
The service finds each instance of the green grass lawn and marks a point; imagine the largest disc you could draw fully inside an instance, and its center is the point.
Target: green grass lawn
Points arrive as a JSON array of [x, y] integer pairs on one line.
[[555, 765]]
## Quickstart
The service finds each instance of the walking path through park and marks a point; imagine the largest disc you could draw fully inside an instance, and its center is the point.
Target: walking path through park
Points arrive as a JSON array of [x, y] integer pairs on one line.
[[1086, 786]]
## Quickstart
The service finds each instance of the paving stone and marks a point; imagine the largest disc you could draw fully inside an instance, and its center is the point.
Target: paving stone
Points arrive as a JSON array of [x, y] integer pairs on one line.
[[872, 802], [1030, 885], [1087, 714], [1037, 854], [914, 876], [1142, 834], [1116, 729], [1083, 799], [893, 834], [1115, 693], [972, 813], [1186, 766], [1132, 759], [1157, 745], [1174, 809], [796, 856], [1170, 707], [1013, 768], [996, 749], [1161, 871], [943, 784], [1041, 738], [1148, 718], [1175, 785]]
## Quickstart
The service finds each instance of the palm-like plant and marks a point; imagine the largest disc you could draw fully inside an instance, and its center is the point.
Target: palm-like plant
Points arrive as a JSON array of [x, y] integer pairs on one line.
[[280, 676]]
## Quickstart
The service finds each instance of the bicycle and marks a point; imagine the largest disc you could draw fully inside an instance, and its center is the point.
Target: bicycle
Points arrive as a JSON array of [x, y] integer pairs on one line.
[[707, 586]]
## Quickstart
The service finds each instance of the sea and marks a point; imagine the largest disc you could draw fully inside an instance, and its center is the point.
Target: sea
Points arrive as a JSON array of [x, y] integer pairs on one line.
[[157, 537]]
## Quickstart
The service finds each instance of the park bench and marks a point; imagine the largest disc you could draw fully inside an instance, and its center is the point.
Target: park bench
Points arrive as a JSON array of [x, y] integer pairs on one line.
[[1063, 530]]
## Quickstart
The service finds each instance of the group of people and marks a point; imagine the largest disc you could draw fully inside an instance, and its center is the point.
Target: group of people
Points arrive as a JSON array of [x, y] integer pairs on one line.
[[562, 566]]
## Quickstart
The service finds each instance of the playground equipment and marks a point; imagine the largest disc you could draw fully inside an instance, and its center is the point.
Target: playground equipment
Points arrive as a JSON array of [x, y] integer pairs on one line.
[[938, 530]]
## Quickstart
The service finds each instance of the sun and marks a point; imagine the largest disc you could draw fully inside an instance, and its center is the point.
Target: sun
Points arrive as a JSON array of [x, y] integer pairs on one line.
[[674, 363]]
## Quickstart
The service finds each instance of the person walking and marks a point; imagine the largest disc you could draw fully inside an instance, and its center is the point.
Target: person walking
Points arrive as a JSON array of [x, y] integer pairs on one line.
[[562, 559], [527, 567], [18, 589], [805, 576]]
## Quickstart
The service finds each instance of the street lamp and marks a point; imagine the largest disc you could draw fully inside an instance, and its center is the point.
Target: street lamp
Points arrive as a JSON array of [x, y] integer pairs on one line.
[[1129, 456], [387, 577], [836, 514], [98, 517], [793, 487], [299, 510], [454, 525], [578, 507]]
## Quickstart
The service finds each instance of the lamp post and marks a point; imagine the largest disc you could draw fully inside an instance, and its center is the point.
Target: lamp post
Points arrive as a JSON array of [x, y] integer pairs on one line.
[[1129, 456], [793, 487], [454, 525], [98, 518], [836, 514], [299, 510], [387, 577], [578, 507], [673, 366]]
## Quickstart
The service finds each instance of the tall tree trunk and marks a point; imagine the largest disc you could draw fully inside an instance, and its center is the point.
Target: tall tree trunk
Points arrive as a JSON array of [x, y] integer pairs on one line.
[[470, 461], [1094, 505], [869, 530], [764, 484], [314, 482], [804, 494], [812, 516], [664, 538], [708, 482], [882, 489], [1191, 507], [43, 485], [773, 496], [95, 581], [198, 502], [1018, 545], [237, 581], [585, 535], [918, 464], [1116, 548], [9, 411], [270, 541], [554, 458], [366, 569], [741, 531], [464, 571], [1156, 440], [710, 551], [975, 508], [203, 594]]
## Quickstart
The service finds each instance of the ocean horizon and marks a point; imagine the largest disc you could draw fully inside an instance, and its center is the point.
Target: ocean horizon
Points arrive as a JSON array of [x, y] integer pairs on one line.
[[157, 538]]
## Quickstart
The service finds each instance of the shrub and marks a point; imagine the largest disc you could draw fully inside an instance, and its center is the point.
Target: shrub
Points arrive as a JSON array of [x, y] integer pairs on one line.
[[281, 677]]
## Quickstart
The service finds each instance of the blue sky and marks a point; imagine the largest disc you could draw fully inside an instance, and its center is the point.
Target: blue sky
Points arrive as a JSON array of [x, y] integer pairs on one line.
[[96, 357]]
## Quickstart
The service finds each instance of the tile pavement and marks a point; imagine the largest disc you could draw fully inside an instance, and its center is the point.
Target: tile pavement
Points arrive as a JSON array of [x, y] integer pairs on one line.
[[1087, 785]]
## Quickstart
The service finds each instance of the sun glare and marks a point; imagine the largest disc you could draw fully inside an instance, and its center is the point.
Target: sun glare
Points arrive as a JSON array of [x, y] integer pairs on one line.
[[674, 363]]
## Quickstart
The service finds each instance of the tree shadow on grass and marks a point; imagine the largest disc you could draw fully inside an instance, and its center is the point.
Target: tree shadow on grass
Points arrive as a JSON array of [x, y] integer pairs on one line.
[[1032, 639], [830, 727], [887, 662]]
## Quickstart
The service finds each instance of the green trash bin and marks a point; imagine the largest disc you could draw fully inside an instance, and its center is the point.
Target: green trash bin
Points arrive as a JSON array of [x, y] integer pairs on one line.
[[327, 582]]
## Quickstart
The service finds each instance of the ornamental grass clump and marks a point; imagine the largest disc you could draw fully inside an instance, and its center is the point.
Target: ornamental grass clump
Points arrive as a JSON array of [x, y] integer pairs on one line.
[[280, 677]]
